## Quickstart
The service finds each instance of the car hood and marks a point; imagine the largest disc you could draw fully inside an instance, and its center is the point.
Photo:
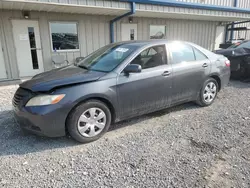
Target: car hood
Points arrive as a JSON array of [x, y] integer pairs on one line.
[[61, 77]]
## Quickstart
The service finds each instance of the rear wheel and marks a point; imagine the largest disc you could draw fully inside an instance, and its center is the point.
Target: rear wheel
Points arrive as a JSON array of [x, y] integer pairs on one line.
[[208, 92], [89, 121]]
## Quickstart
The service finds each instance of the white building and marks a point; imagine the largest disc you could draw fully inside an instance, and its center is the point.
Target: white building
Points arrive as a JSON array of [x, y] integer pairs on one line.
[[32, 31]]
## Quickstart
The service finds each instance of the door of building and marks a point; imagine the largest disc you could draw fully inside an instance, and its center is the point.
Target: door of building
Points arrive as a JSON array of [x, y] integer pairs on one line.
[[129, 32], [219, 37], [28, 47], [3, 74]]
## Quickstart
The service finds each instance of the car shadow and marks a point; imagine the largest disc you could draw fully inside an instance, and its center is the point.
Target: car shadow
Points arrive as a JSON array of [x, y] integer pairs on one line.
[[13, 141], [239, 84], [132, 121]]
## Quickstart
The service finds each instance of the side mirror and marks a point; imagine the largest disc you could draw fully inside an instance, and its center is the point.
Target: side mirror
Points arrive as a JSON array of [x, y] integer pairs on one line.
[[78, 59], [132, 68]]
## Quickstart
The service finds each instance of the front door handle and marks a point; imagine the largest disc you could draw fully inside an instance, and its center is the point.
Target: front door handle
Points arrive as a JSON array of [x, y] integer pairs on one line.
[[205, 65], [166, 73]]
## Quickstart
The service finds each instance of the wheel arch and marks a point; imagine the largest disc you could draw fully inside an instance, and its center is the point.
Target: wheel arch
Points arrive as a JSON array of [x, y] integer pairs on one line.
[[99, 98], [217, 78]]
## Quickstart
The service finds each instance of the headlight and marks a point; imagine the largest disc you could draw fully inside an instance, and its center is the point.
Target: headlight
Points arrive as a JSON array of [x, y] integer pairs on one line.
[[45, 100]]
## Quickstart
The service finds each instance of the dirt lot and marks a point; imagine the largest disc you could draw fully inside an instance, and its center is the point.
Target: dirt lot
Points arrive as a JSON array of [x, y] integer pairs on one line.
[[185, 146]]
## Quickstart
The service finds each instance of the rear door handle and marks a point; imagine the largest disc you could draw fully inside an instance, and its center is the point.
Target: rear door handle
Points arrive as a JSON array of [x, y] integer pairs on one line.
[[166, 73], [205, 65]]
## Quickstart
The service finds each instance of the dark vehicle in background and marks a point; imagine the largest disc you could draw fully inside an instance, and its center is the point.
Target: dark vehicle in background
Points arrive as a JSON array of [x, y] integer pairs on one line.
[[239, 56], [238, 34], [117, 82]]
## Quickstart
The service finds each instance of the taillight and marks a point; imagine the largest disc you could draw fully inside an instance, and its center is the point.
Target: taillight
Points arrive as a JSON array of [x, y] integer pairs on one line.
[[227, 63]]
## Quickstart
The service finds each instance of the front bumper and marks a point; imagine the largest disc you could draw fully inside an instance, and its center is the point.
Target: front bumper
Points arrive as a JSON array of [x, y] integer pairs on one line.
[[48, 120], [44, 120]]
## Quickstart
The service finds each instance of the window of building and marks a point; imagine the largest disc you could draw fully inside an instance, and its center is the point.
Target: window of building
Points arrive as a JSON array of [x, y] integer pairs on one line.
[[157, 31], [64, 36], [181, 52], [199, 56], [33, 51], [151, 57]]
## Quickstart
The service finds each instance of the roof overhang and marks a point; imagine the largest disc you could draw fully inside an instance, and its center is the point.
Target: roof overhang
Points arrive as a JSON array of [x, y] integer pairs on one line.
[[144, 8], [192, 14], [60, 7], [201, 6], [188, 10]]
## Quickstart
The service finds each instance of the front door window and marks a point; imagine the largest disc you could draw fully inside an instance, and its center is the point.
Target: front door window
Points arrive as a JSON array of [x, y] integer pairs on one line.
[[151, 57]]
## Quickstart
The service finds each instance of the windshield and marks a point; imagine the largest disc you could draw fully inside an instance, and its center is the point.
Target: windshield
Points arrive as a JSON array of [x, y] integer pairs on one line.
[[107, 58], [244, 44]]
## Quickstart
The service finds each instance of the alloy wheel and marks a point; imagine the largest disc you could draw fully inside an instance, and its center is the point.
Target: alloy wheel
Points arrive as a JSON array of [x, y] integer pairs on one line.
[[209, 92]]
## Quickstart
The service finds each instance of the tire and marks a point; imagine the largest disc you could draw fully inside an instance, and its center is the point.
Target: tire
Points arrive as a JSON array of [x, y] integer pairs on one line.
[[204, 101], [84, 123]]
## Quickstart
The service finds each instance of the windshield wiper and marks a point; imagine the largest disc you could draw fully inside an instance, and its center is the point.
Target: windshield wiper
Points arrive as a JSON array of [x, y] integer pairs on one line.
[[83, 66]]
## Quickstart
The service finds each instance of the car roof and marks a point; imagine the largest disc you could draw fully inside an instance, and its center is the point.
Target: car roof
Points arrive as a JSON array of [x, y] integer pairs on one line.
[[141, 43], [144, 42]]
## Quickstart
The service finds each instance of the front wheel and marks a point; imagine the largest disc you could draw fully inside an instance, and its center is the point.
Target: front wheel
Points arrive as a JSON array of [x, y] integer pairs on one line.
[[89, 121], [208, 92]]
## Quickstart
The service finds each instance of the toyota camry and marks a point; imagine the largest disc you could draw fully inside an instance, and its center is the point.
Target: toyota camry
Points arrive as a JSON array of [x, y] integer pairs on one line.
[[117, 82]]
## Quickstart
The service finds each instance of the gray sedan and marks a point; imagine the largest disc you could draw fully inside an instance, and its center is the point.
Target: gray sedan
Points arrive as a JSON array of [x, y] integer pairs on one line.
[[117, 82]]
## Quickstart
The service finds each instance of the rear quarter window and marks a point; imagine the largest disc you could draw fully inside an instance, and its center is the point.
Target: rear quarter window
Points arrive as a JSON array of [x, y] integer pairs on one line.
[[244, 45], [199, 56]]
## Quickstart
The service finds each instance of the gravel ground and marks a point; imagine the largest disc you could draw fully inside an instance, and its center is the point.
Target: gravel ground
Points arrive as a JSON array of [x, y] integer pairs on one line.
[[185, 146]]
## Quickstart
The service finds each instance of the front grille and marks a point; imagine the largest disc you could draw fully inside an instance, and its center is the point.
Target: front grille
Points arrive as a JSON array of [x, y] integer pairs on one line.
[[20, 96], [16, 99]]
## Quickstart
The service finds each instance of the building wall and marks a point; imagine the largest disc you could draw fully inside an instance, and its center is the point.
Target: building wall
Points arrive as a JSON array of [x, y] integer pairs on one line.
[[242, 34], [4, 48], [244, 4], [102, 3], [93, 33], [8, 46], [199, 32], [188, 13], [119, 4], [228, 3]]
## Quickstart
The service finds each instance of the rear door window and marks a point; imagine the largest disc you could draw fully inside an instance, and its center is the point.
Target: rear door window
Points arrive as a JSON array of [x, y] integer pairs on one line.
[[181, 52]]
